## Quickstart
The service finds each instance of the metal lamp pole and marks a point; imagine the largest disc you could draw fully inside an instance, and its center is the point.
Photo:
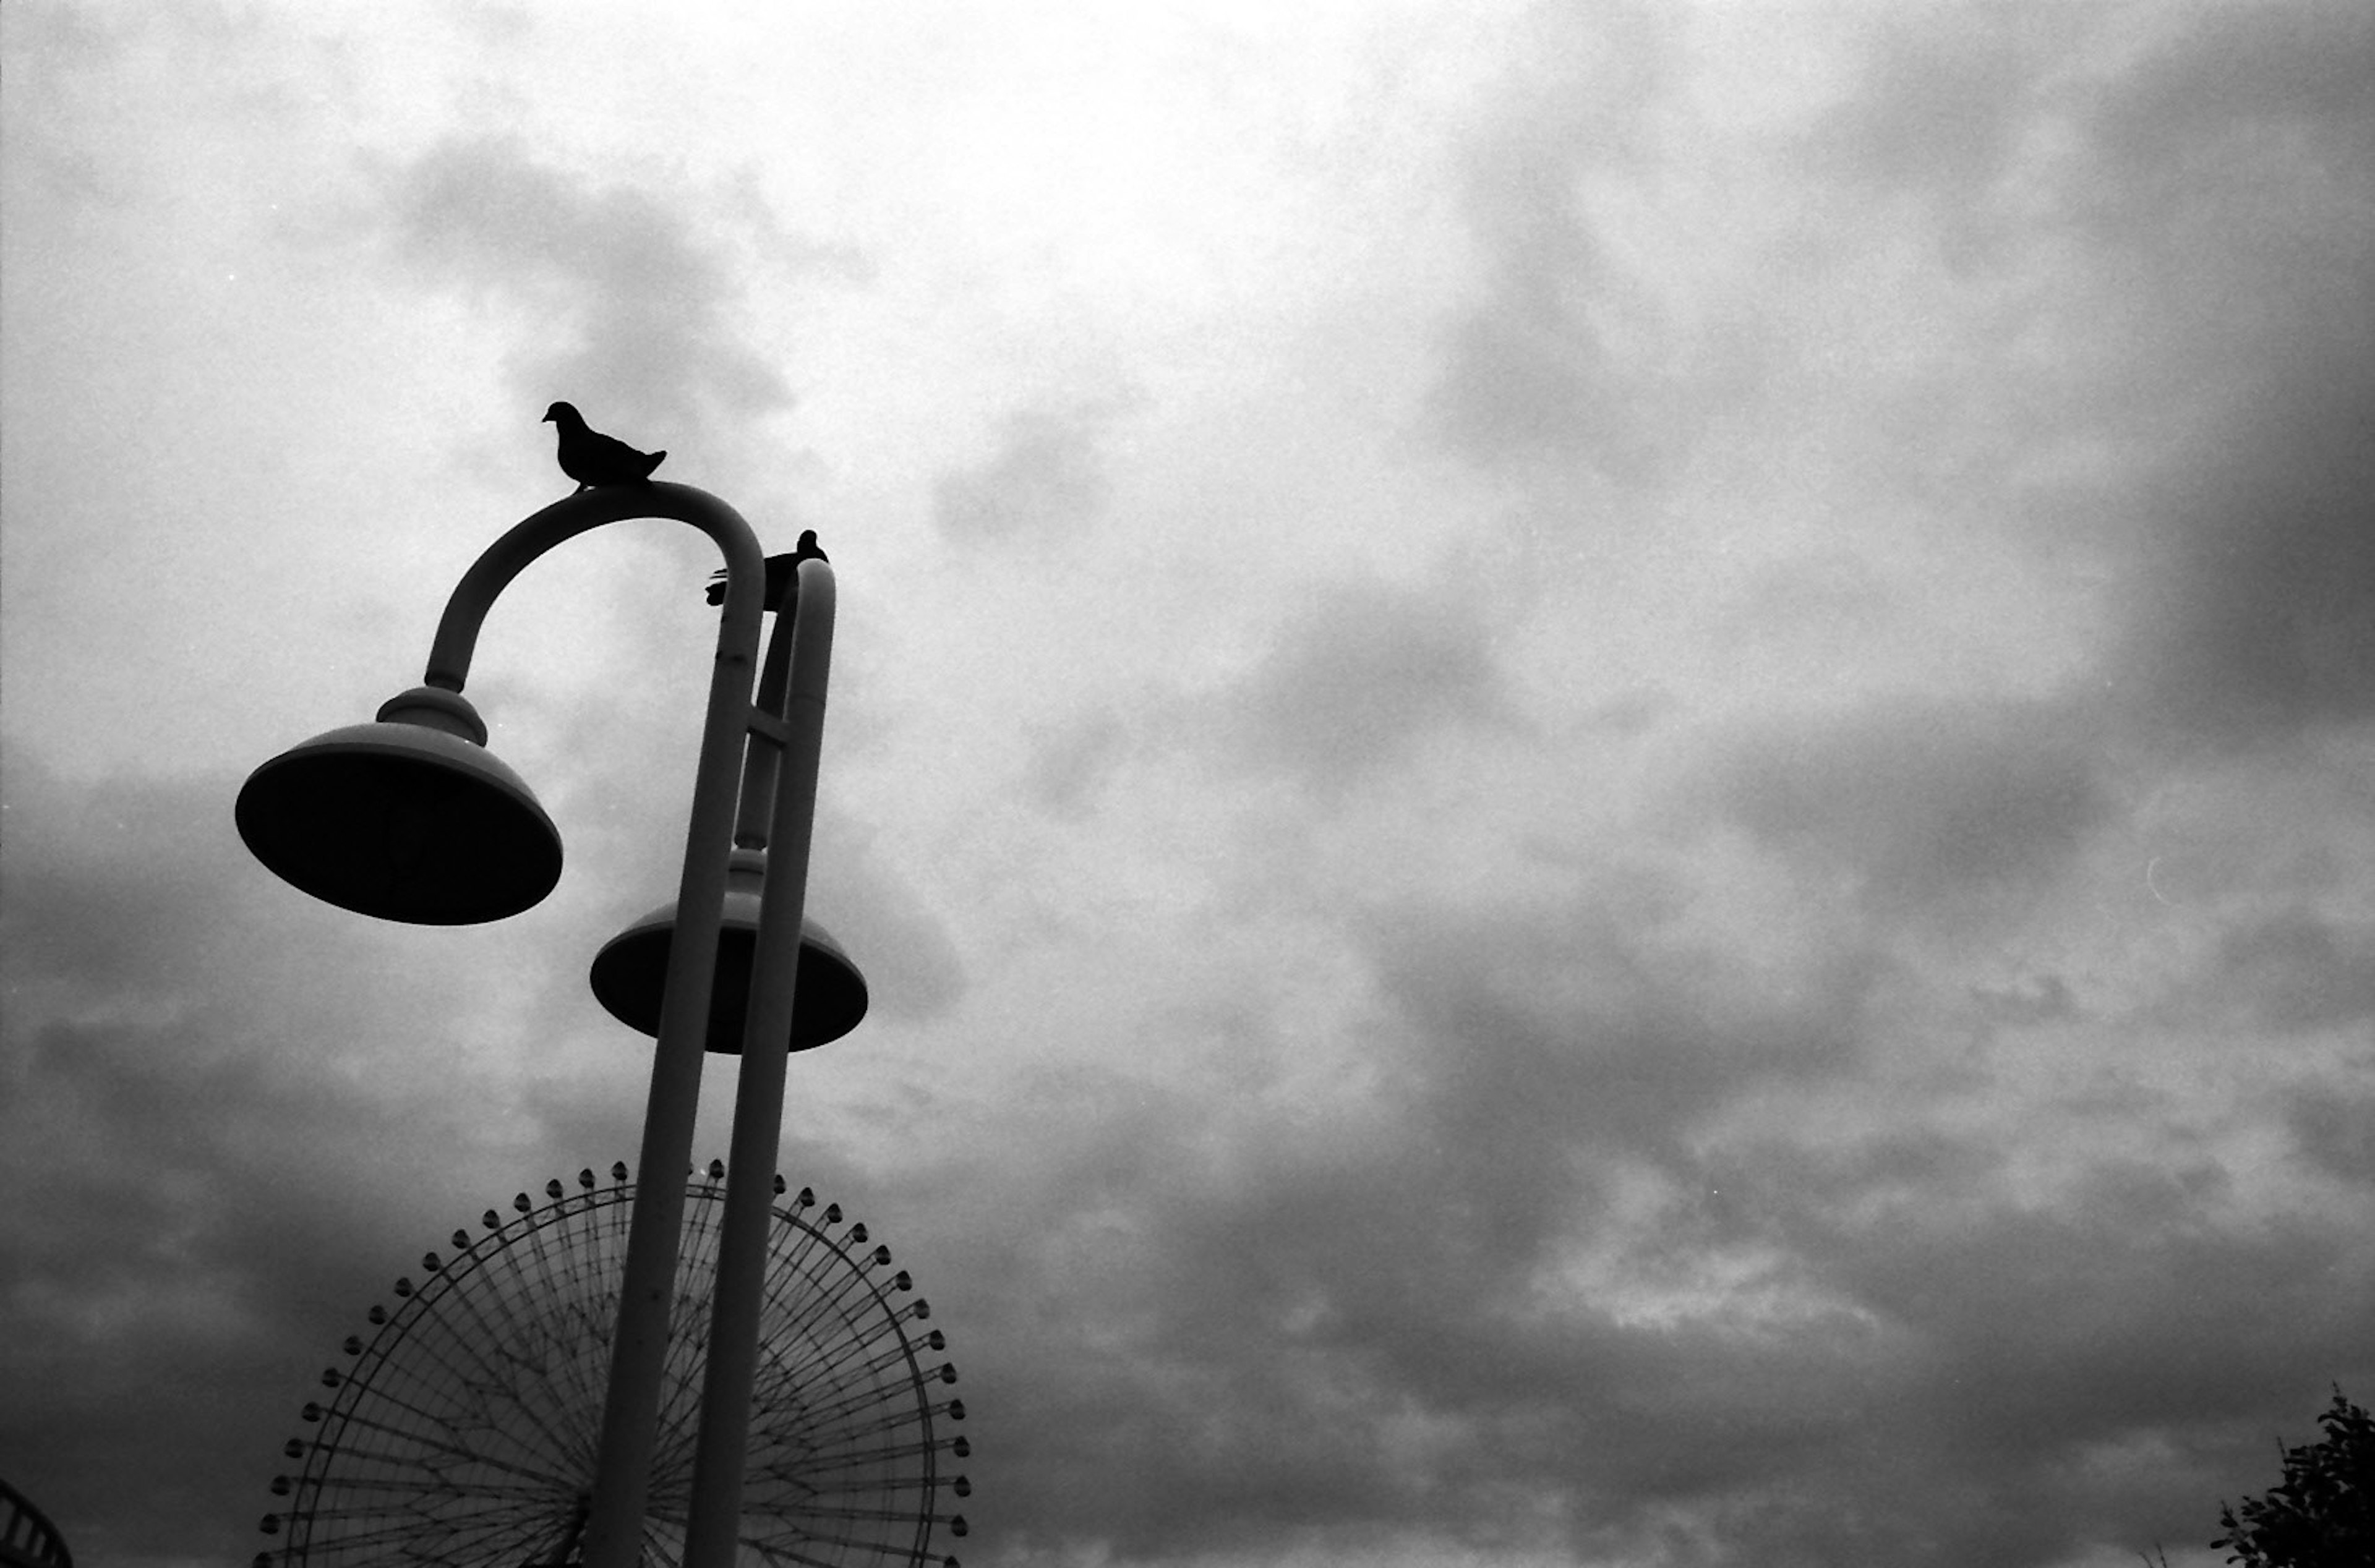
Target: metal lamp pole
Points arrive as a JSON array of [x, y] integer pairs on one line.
[[410, 819], [639, 1348], [788, 792]]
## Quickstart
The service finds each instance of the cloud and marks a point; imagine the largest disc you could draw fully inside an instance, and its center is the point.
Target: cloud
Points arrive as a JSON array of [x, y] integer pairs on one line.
[[1046, 475], [1562, 353], [2090, 1355], [631, 303], [2296, 971], [1539, 1287], [1070, 760], [1247, 1318], [229, 1114], [2210, 163], [913, 970], [1938, 805], [2258, 617], [1359, 678], [1942, 101]]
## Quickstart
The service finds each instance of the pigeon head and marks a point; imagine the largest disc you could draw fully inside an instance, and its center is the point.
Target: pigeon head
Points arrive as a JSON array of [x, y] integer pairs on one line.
[[563, 413]]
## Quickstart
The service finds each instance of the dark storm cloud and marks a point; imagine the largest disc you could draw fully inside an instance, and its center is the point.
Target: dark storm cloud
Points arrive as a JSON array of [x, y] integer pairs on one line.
[[232, 1115], [1574, 1025], [199, 1233], [632, 299], [1046, 475], [2258, 616], [1225, 1325], [2299, 66], [1955, 805], [1361, 676], [2139, 1312], [2333, 1127], [1229, 1324], [2294, 972], [2215, 184]]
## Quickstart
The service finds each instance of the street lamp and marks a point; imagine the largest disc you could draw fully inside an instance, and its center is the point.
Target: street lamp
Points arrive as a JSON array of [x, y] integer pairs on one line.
[[411, 819]]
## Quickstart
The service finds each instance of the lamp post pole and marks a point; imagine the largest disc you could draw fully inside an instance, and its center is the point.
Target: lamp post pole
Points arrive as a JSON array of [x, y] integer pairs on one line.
[[410, 819], [787, 790], [614, 1524]]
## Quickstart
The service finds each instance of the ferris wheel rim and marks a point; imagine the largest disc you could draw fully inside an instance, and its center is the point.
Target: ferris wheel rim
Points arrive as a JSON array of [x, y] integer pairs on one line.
[[847, 1432]]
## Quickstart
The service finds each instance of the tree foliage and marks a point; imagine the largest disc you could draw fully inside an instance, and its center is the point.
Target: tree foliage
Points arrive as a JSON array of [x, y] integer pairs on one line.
[[2323, 1514]]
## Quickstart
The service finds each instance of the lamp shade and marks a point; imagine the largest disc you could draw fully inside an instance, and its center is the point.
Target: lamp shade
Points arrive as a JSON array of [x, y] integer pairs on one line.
[[630, 974], [408, 818]]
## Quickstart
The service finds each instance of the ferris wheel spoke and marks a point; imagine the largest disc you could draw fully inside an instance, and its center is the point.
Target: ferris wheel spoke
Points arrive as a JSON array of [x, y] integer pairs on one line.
[[807, 1464], [830, 1416], [848, 1517], [556, 1313], [368, 1525], [817, 1390], [817, 1436], [899, 1417], [424, 1443], [881, 1356], [509, 1374], [474, 1517], [778, 1551], [479, 1413], [816, 1303], [883, 1467], [525, 1490], [452, 1418], [811, 1293], [578, 1272], [802, 1538], [838, 1358], [469, 1355], [401, 1491], [663, 1550]]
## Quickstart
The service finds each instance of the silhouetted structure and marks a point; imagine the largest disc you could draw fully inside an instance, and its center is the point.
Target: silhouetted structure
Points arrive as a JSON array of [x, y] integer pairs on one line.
[[28, 1540], [461, 1427], [410, 817]]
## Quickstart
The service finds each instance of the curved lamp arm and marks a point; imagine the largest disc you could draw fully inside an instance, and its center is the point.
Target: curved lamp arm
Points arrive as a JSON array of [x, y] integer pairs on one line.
[[745, 569]]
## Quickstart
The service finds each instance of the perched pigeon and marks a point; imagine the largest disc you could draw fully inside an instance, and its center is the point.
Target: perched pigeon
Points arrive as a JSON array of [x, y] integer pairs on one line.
[[783, 572], [592, 458]]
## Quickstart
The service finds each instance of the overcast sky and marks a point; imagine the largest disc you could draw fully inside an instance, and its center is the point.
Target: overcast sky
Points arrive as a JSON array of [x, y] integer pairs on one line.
[[1608, 771]]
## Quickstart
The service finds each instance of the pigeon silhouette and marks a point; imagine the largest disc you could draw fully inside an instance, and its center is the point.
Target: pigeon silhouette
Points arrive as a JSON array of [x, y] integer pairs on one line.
[[783, 573], [592, 458]]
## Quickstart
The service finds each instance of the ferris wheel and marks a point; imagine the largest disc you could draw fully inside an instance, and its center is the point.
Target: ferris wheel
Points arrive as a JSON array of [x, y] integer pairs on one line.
[[462, 1431]]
